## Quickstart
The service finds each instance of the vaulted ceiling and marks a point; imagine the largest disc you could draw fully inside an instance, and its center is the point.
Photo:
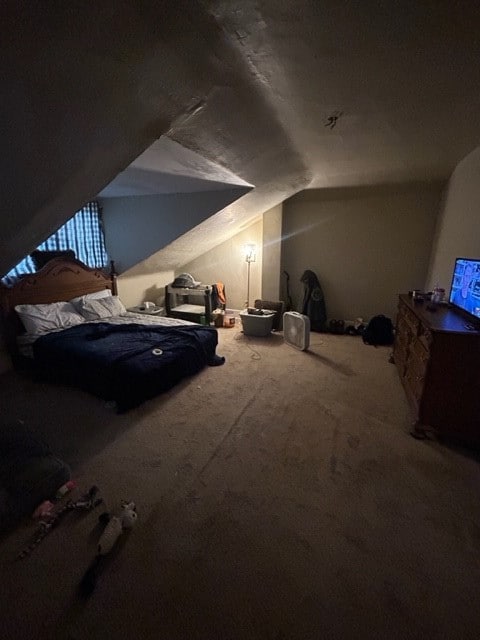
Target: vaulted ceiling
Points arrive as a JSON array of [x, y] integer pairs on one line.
[[282, 94], [165, 168]]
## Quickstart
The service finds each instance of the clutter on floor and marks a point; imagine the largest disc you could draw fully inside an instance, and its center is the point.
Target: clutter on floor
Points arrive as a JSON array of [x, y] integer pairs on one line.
[[29, 473], [336, 326], [278, 306], [379, 331], [115, 526], [356, 328], [256, 497], [51, 517], [223, 317], [257, 322]]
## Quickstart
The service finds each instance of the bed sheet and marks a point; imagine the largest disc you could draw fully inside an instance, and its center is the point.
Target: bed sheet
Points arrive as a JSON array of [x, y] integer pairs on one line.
[[26, 340]]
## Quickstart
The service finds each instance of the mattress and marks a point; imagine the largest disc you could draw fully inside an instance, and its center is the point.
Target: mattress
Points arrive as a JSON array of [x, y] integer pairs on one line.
[[189, 308]]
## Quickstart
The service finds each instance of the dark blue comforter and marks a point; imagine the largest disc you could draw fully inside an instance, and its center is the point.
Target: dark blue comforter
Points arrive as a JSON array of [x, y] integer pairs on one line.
[[125, 363]]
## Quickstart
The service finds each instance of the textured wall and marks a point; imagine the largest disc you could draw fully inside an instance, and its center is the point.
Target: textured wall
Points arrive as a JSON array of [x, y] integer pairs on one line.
[[251, 86], [457, 233], [226, 264], [87, 88], [272, 251], [365, 245], [136, 289], [138, 227]]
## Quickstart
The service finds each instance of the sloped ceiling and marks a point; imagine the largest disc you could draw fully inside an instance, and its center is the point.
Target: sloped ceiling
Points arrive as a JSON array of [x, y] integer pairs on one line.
[[252, 86], [165, 168]]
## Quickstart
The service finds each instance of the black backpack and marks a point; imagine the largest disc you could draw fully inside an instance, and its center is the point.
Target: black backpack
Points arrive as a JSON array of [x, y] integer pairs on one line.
[[379, 331]]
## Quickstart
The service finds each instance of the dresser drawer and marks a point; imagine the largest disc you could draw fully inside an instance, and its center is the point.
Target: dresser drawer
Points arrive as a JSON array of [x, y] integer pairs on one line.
[[425, 336], [403, 336], [420, 350], [415, 380], [400, 358], [401, 313], [400, 350], [412, 321], [437, 360]]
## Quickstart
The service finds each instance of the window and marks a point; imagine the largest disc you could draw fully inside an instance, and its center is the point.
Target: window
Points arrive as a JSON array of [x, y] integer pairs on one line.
[[83, 234]]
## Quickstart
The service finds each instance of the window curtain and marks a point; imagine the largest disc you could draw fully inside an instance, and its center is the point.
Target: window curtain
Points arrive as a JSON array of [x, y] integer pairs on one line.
[[83, 233]]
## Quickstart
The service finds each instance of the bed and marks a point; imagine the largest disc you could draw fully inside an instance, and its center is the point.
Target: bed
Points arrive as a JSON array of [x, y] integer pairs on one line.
[[122, 357]]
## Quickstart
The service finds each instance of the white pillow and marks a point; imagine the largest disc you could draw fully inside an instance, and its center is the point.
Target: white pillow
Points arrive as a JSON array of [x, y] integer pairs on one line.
[[40, 318], [96, 295], [102, 308]]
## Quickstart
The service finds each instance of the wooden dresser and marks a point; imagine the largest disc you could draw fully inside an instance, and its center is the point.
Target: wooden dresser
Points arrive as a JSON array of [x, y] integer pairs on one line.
[[437, 354]]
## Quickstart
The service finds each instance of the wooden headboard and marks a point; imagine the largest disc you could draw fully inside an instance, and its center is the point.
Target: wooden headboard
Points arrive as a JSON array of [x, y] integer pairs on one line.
[[60, 280]]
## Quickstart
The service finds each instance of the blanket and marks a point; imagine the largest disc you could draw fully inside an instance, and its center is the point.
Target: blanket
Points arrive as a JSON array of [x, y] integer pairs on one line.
[[128, 363]]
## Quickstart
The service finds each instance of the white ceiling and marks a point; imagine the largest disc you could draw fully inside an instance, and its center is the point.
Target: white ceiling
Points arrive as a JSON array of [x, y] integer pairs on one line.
[[403, 79], [405, 76], [248, 85], [167, 167]]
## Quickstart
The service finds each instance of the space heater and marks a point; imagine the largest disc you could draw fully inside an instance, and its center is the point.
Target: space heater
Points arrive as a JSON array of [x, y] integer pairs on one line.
[[296, 330]]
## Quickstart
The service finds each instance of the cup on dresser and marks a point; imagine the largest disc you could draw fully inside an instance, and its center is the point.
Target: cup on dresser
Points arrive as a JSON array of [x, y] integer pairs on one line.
[[438, 295]]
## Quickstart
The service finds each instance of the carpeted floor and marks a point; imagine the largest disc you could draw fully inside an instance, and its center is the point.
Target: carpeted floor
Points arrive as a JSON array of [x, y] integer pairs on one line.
[[280, 497]]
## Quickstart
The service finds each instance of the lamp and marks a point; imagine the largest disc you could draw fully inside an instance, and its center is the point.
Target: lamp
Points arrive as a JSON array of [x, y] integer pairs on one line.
[[250, 256]]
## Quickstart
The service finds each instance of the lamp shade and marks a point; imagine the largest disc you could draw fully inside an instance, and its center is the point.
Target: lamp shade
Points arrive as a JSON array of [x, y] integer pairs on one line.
[[249, 250]]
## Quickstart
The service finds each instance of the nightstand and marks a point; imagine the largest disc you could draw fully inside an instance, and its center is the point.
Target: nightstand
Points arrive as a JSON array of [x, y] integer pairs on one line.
[[148, 311]]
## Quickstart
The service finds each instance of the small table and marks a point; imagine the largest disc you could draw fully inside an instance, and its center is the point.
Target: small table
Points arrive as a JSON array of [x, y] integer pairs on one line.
[[148, 311]]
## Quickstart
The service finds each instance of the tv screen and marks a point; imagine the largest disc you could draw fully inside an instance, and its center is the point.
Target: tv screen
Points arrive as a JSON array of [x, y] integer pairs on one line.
[[465, 290]]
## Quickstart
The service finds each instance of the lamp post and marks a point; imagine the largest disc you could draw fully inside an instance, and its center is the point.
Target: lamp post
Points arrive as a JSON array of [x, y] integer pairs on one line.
[[250, 256]]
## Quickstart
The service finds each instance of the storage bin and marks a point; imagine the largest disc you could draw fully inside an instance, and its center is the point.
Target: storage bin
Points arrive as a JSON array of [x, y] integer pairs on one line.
[[257, 325]]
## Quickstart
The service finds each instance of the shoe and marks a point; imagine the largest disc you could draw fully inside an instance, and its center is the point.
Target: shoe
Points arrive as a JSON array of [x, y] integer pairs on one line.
[[336, 326]]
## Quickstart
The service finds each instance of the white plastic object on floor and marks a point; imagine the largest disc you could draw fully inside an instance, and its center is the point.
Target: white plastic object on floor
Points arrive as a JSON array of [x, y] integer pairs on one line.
[[296, 330], [257, 325], [112, 532]]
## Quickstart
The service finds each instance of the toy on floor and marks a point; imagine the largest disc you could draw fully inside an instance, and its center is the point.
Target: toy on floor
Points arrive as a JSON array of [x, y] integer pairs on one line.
[[43, 510], [47, 507], [66, 488], [51, 517], [115, 526]]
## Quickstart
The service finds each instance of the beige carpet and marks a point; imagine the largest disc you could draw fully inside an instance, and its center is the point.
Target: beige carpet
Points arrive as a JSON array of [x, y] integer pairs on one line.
[[279, 497]]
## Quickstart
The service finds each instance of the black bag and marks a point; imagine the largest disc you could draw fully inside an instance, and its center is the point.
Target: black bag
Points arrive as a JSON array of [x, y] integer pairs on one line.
[[379, 331]]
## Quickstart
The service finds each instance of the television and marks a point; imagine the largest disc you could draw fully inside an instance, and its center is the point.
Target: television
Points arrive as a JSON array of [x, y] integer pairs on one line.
[[465, 289]]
